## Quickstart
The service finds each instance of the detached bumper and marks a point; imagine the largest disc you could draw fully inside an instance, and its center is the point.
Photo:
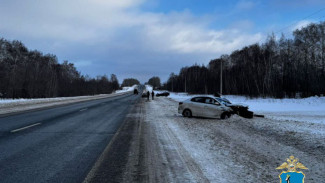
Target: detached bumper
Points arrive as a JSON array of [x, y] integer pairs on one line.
[[243, 112]]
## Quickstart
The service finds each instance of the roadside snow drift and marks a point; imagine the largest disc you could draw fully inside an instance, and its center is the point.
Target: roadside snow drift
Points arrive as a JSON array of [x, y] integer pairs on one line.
[[148, 88], [18, 105], [127, 89]]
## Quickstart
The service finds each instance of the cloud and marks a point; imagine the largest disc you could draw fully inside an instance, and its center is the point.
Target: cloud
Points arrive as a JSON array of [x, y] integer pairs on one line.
[[82, 63], [245, 5], [71, 20], [297, 3], [301, 24], [117, 36], [192, 39]]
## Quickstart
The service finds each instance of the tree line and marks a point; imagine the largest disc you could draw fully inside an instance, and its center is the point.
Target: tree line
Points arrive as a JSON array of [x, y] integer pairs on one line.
[[130, 82], [31, 74], [154, 82], [286, 67]]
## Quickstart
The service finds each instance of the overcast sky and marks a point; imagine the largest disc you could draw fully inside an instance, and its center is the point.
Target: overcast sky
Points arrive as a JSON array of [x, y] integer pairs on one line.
[[145, 38]]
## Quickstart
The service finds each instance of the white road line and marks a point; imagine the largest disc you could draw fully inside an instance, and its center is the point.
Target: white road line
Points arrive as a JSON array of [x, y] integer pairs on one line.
[[23, 128], [83, 109]]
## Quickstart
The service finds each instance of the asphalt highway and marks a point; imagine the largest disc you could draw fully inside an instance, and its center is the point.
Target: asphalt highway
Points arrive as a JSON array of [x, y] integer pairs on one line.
[[60, 144]]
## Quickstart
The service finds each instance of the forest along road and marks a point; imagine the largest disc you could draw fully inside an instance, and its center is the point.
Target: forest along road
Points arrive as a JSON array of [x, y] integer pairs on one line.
[[167, 147], [60, 144]]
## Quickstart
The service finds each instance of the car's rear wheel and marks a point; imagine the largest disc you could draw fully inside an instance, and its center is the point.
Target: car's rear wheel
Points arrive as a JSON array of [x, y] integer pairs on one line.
[[187, 113], [225, 115]]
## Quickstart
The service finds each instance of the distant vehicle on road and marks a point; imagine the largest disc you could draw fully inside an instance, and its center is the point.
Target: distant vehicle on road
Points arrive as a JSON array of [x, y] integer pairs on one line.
[[240, 109], [204, 106], [144, 94], [163, 94]]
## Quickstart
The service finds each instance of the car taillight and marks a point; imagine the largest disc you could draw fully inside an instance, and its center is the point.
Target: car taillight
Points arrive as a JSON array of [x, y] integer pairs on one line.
[[180, 103]]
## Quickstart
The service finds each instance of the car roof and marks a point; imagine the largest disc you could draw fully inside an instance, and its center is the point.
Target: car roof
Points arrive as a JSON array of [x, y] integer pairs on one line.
[[210, 96]]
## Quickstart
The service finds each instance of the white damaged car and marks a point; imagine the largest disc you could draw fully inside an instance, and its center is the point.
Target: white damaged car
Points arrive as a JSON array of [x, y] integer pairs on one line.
[[204, 106]]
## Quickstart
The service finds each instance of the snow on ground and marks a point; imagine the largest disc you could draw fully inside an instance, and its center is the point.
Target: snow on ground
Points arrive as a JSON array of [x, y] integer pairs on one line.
[[21, 101], [310, 109], [18, 105], [236, 149], [179, 96], [148, 88]]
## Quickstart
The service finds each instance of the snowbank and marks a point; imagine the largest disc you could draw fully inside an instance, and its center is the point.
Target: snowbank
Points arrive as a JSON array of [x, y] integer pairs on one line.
[[6, 102], [18, 105], [127, 89], [310, 109], [181, 96], [270, 104], [148, 88]]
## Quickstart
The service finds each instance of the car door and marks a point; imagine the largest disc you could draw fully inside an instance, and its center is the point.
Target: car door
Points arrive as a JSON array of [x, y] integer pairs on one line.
[[197, 106], [212, 108]]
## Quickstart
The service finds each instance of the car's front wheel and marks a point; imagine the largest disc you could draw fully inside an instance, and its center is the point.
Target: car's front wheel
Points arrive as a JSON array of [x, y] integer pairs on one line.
[[225, 115], [187, 113]]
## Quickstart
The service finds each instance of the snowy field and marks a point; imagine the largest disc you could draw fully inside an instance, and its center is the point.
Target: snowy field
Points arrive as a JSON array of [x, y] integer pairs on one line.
[[310, 109]]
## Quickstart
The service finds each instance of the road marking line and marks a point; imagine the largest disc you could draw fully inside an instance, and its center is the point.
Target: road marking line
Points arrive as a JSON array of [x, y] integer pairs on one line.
[[23, 128], [83, 109]]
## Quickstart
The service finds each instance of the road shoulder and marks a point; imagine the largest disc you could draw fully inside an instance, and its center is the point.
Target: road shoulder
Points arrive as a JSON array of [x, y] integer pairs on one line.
[[111, 165]]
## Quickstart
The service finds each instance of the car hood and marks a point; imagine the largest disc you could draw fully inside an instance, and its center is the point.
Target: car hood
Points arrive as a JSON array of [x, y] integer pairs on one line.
[[237, 105]]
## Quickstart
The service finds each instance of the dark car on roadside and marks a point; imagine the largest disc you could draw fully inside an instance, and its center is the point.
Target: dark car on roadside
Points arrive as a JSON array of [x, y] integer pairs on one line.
[[144, 94], [162, 94]]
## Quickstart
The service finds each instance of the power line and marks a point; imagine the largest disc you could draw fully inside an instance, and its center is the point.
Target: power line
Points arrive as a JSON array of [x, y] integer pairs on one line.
[[320, 10], [286, 27], [291, 31]]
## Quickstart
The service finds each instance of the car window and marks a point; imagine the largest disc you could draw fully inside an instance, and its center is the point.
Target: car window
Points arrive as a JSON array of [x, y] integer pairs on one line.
[[198, 99], [209, 101], [226, 100], [220, 100]]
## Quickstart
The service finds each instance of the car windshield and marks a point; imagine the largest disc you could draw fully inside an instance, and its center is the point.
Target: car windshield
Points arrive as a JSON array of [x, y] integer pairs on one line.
[[223, 101]]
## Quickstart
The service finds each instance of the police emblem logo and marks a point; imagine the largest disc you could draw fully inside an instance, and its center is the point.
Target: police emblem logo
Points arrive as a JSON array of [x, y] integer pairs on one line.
[[292, 175]]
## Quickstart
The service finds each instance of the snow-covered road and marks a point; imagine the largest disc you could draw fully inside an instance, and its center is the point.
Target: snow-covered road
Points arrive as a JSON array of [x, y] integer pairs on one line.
[[178, 149]]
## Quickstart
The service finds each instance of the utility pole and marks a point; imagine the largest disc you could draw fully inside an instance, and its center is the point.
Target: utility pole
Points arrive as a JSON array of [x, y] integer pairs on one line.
[[185, 83], [205, 83], [173, 84], [221, 77]]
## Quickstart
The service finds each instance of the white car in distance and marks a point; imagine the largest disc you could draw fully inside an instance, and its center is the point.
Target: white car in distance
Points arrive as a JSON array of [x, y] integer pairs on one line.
[[204, 106]]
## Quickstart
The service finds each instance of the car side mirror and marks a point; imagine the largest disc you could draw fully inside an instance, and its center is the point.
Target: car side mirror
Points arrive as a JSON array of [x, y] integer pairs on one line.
[[217, 103]]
